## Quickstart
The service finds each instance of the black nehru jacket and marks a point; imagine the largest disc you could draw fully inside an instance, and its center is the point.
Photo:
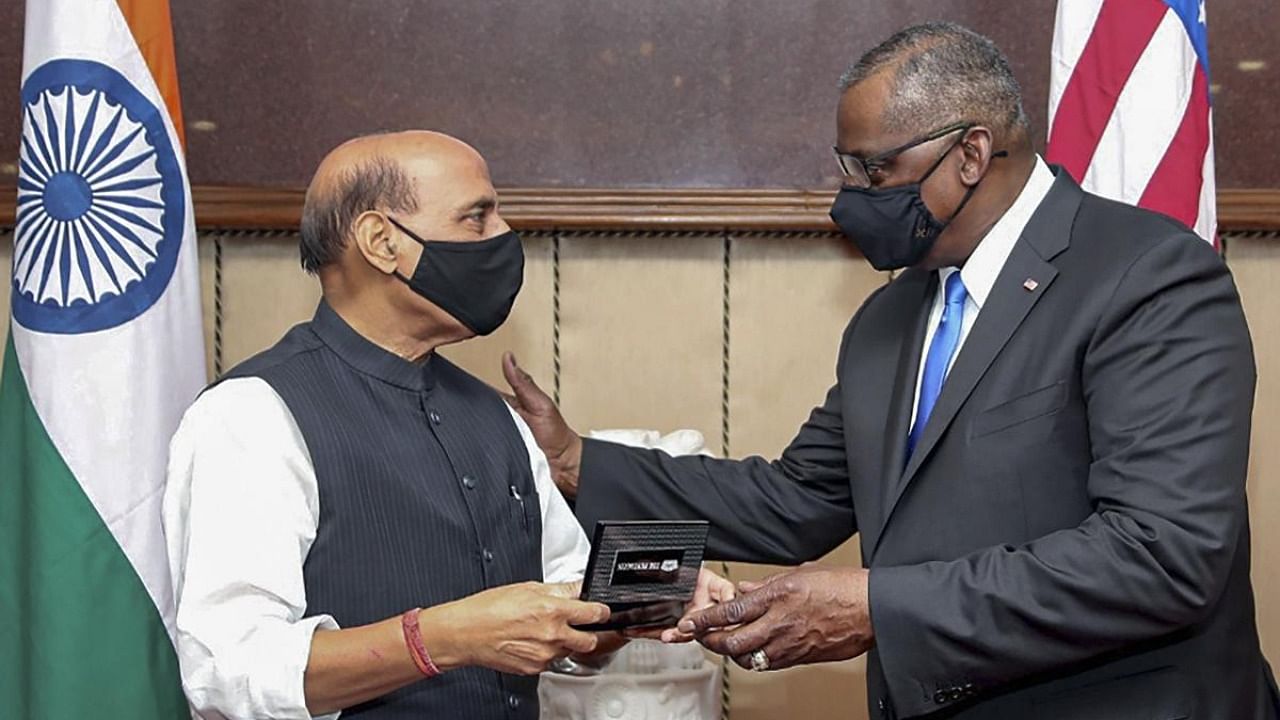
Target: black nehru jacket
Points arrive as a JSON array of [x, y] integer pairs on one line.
[[415, 465]]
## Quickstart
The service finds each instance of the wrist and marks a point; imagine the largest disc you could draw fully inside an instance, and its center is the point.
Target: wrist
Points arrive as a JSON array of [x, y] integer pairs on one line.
[[443, 638], [861, 581], [566, 464], [411, 630]]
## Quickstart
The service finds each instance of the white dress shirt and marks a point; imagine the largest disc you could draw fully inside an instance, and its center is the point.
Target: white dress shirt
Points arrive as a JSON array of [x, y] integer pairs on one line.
[[240, 513], [984, 265]]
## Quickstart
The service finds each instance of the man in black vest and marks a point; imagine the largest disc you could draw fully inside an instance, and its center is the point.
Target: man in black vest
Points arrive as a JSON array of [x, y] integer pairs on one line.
[[1039, 430], [354, 523]]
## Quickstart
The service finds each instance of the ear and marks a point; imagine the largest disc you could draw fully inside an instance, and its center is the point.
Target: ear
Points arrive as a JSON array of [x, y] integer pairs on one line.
[[374, 237], [976, 149]]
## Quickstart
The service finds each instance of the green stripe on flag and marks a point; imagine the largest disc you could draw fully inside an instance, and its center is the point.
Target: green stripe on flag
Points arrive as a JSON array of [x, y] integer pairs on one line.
[[79, 635]]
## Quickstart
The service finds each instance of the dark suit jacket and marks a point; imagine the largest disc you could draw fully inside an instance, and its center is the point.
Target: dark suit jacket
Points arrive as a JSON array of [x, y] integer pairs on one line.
[[1070, 538]]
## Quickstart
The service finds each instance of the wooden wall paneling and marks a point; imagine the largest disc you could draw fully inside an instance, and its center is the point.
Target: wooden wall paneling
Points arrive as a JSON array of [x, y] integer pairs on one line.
[[264, 293], [1253, 259], [716, 93], [790, 299], [641, 343], [1257, 209], [626, 209], [528, 332], [640, 332]]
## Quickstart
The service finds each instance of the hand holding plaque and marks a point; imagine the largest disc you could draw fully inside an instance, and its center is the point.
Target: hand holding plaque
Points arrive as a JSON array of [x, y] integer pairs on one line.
[[805, 615]]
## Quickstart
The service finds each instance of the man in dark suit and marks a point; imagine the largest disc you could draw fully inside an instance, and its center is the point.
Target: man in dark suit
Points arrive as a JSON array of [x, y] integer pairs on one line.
[[1040, 431]]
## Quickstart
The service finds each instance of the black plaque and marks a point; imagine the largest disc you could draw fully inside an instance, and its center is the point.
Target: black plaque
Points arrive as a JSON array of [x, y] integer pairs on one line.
[[644, 570]]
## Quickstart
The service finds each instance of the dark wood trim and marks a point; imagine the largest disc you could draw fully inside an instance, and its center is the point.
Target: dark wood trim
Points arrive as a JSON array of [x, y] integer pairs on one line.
[[247, 208], [1249, 209], [253, 208], [563, 209]]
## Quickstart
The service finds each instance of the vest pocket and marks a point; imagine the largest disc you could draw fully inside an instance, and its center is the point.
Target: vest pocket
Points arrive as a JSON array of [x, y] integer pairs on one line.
[[522, 506]]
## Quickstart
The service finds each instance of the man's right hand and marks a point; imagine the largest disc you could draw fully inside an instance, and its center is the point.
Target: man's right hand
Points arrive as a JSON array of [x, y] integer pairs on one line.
[[561, 445], [518, 629]]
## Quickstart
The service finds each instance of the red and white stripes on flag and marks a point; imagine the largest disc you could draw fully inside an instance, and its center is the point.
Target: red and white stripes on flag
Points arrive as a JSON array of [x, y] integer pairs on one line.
[[1129, 113]]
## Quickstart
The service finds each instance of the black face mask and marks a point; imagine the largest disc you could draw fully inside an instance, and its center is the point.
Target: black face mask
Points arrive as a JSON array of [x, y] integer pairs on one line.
[[475, 282], [892, 226]]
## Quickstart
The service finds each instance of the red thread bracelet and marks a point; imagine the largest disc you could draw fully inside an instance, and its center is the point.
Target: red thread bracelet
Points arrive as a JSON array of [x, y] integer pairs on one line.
[[413, 640]]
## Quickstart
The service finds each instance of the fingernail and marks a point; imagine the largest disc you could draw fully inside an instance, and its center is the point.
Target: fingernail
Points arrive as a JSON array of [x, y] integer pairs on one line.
[[685, 626]]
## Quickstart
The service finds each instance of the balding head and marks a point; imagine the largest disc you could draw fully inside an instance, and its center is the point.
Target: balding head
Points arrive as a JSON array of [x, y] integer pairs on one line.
[[396, 173], [375, 205]]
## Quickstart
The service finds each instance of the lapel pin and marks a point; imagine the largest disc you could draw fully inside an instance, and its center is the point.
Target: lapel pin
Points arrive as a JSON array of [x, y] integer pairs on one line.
[[1030, 285]]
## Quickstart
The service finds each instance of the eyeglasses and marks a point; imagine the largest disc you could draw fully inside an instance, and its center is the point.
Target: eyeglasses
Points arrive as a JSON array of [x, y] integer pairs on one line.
[[858, 172]]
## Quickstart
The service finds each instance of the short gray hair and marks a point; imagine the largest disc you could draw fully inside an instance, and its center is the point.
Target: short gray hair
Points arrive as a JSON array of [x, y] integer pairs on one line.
[[329, 211], [943, 72]]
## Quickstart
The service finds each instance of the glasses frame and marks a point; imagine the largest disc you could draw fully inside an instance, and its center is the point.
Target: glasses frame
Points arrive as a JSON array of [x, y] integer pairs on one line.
[[846, 161]]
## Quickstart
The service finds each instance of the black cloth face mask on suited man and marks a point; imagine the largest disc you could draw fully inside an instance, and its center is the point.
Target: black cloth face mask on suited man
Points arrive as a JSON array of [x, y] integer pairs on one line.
[[476, 282], [892, 226]]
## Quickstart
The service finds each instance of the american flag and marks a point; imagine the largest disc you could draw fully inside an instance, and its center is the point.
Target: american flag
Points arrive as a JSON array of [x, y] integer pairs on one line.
[[1129, 112]]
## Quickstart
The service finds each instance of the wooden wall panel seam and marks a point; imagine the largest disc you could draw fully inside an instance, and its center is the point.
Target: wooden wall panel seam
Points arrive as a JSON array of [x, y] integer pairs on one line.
[[217, 306], [726, 664], [555, 317]]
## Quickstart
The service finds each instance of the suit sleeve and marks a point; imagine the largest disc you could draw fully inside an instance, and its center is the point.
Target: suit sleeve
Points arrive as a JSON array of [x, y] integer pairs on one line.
[[786, 511], [1168, 379]]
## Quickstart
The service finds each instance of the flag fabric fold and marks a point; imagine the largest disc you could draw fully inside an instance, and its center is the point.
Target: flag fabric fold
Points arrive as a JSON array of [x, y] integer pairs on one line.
[[1129, 110], [104, 353]]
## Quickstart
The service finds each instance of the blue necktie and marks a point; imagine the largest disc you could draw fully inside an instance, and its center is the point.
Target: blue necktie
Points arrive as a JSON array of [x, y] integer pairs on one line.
[[945, 341]]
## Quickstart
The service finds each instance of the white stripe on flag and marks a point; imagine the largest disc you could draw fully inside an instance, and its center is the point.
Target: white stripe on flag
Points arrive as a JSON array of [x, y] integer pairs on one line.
[[1072, 31], [1147, 115], [1207, 222]]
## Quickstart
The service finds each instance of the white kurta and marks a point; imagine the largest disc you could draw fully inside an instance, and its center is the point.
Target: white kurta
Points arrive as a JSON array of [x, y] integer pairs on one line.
[[240, 513]]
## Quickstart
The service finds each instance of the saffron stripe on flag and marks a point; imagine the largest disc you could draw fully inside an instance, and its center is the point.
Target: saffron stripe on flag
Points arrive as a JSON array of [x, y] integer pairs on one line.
[[152, 29], [1119, 37]]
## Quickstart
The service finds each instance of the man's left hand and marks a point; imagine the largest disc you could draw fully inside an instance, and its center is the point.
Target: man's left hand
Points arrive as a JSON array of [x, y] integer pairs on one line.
[[807, 615]]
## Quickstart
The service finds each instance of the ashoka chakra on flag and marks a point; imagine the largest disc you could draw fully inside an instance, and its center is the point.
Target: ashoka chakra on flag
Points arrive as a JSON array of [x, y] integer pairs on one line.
[[101, 201]]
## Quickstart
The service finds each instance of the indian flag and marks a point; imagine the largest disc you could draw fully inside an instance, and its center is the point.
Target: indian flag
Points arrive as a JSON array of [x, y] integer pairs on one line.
[[105, 350]]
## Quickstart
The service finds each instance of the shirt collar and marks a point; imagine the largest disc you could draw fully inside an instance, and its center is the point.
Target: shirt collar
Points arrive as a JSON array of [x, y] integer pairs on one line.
[[366, 357], [984, 265]]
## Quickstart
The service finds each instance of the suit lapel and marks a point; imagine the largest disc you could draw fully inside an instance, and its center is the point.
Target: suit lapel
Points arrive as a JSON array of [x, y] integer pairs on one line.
[[1008, 304], [899, 358], [1011, 299]]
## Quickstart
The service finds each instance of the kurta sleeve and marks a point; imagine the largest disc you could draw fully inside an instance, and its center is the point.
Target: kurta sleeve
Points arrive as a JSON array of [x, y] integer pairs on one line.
[[240, 514]]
